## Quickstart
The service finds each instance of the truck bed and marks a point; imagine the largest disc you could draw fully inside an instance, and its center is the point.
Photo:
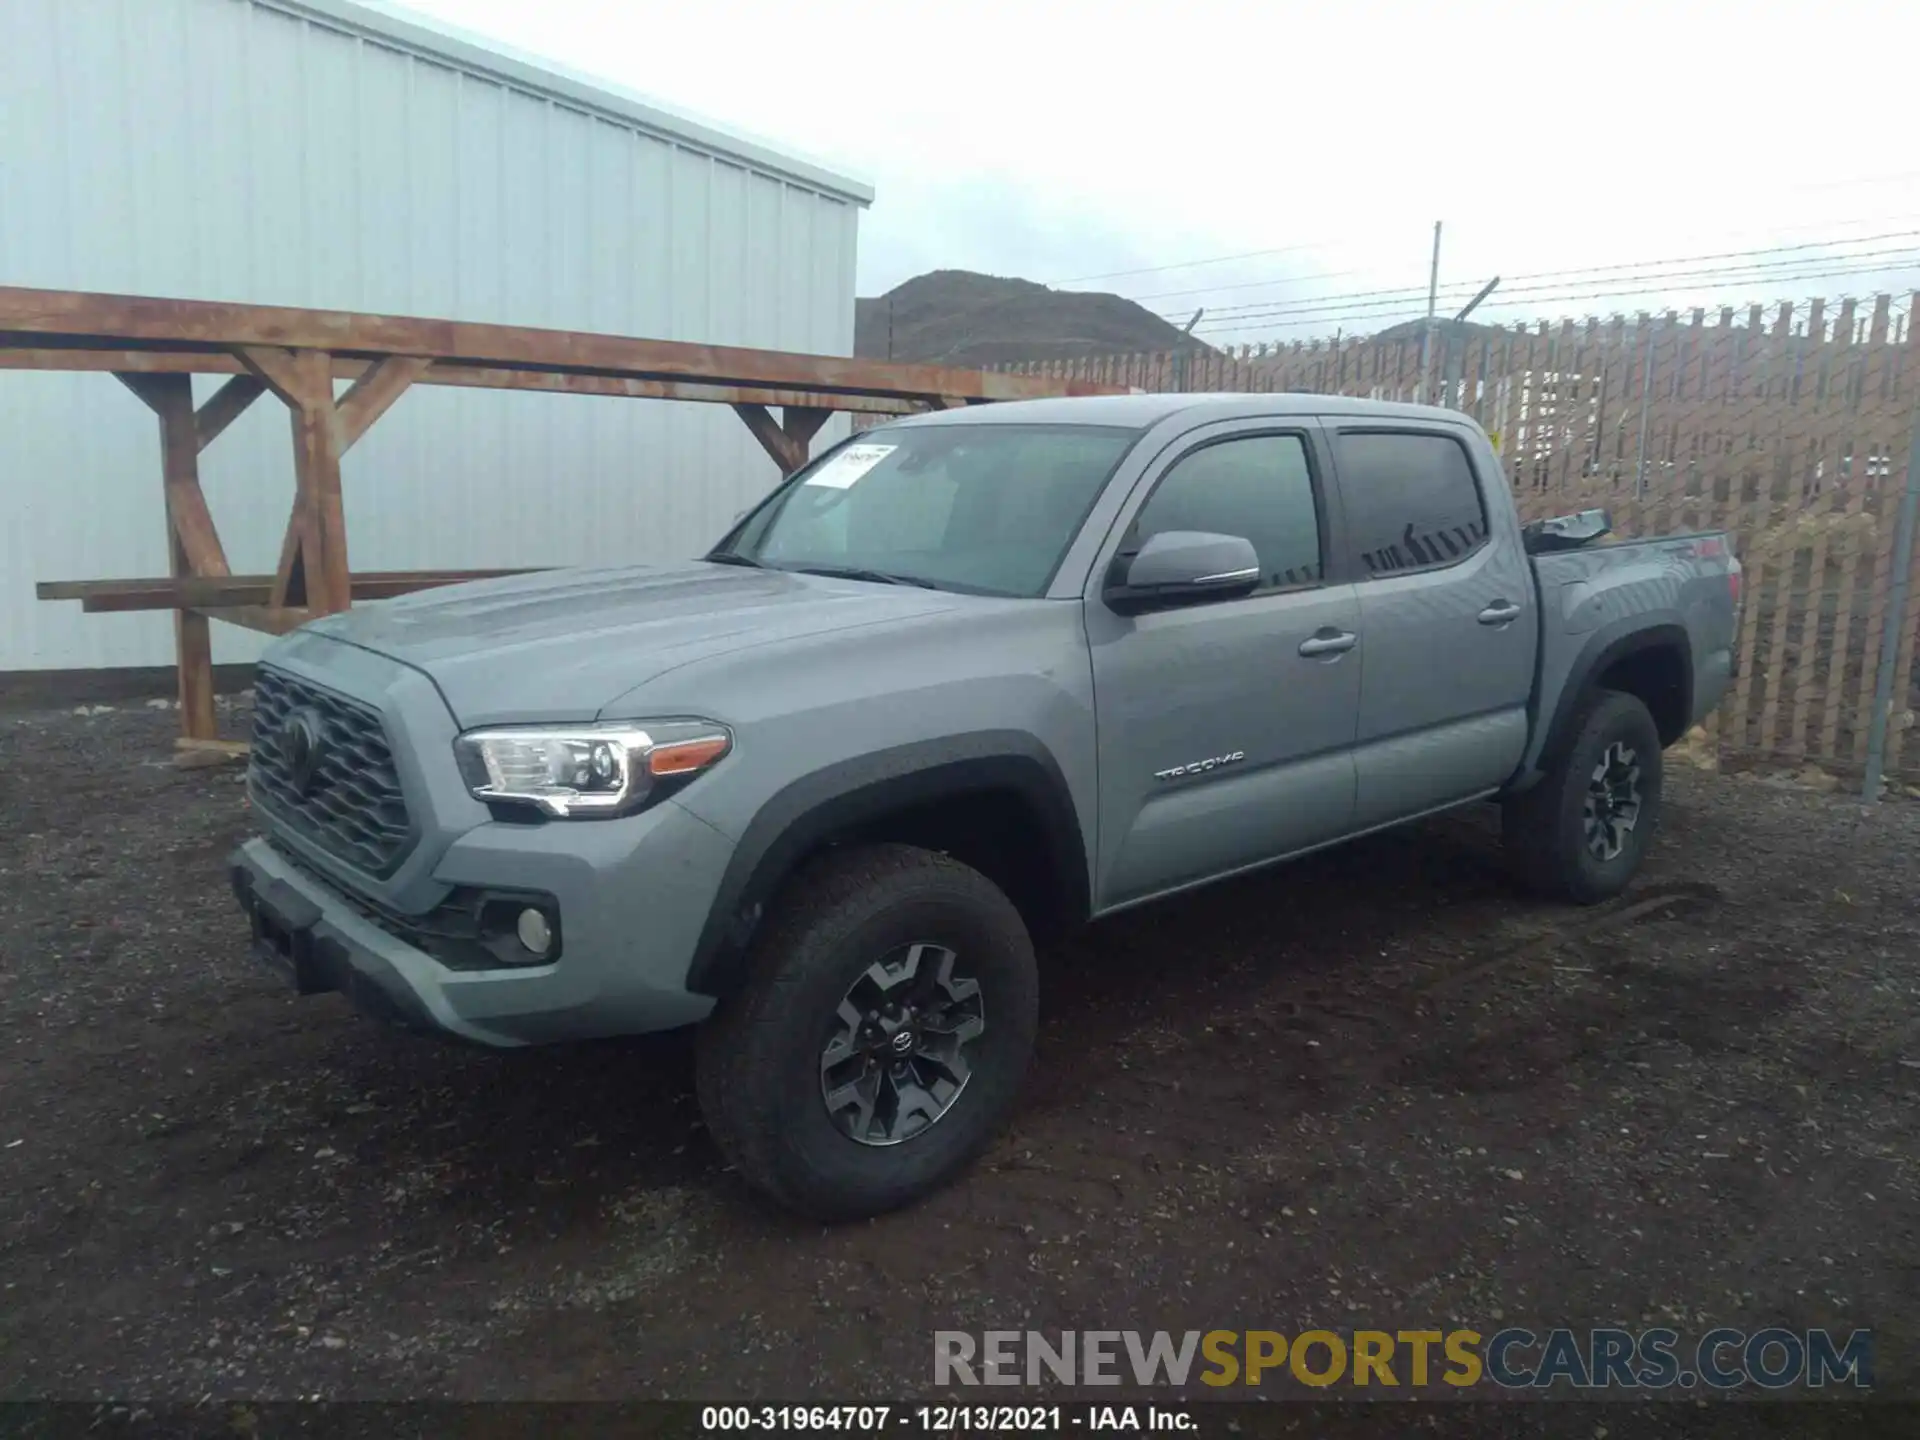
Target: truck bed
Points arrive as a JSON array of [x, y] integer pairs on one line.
[[1600, 601]]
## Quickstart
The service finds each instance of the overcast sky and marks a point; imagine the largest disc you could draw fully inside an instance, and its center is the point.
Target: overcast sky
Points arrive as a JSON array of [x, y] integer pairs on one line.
[[1056, 140]]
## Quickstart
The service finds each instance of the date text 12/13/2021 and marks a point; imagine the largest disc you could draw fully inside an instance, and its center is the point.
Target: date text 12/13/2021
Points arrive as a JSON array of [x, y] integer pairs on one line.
[[945, 1419]]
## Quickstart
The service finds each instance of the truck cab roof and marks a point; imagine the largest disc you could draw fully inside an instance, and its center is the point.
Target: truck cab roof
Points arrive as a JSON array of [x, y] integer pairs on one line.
[[1140, 412]]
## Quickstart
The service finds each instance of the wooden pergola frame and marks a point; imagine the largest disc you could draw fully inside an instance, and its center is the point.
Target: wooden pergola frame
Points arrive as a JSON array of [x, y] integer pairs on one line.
[[155, 346]]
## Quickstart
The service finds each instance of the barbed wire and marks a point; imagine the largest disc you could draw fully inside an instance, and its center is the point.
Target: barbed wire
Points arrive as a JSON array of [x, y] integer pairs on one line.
[[1834, 240], [1610, 293], [1374, 235], [1649, 270]]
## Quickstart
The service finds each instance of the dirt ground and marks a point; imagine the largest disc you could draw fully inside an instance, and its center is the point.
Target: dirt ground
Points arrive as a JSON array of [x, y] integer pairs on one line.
[[1376, 1088]]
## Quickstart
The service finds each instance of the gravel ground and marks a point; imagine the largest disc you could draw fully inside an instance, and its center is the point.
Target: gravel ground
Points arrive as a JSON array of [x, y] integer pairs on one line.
[[1376, 1088]]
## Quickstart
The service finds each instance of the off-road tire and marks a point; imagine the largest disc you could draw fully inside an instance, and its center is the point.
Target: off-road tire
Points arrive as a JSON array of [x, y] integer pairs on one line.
[[759, 1057], [1545, 828]]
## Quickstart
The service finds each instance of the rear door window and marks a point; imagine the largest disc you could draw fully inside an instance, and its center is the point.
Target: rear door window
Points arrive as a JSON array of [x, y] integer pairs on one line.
[[1410, 499]]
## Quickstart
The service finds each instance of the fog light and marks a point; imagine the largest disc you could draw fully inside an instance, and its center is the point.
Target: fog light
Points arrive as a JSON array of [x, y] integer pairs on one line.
[[534, 931]]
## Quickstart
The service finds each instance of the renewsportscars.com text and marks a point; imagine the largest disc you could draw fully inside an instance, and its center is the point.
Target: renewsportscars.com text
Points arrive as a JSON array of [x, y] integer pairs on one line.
[[1513, 1358]]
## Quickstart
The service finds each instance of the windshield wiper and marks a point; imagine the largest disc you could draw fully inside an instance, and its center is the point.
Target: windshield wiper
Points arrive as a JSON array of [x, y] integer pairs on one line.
[[733, 557], [854, 572]]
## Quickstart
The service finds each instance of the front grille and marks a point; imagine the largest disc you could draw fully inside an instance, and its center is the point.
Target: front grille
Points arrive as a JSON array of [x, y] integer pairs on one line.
[[351, 804]]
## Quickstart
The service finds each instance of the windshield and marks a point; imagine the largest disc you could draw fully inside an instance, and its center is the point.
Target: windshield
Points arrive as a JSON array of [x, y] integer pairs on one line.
[[983, 508]]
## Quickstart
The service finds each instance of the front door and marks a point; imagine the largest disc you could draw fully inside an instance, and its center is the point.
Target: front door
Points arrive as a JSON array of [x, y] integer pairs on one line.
[[1226, 728]]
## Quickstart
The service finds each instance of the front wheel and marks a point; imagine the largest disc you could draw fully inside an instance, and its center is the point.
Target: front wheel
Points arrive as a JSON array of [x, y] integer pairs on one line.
[[1580, 833], [881, 1035]]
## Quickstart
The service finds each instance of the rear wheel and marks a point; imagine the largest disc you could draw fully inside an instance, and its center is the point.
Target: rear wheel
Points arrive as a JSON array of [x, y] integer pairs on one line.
[[880, 1037], [1580, 833]]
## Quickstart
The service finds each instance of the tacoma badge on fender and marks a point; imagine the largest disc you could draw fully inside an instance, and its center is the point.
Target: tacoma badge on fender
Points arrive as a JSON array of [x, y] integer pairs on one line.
[[1200, 767]]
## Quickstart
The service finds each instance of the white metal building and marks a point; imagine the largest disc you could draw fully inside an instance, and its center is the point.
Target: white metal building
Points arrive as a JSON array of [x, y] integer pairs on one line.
[[348, 156]]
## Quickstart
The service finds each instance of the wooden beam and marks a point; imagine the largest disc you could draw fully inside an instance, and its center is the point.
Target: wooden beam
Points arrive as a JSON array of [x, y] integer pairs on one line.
[[217, 591], [282, 372], [567, 382], [373, 394], [772, 438], [575, 383], [236, 749], [205, 754], [227, 405], [124, 320]]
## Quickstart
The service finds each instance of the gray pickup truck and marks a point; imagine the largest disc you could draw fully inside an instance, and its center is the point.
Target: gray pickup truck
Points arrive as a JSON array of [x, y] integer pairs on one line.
[[967, 679]]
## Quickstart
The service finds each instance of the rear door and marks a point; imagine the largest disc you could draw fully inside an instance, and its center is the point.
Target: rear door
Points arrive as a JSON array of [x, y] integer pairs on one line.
[[1222, 741], [1448, 620]]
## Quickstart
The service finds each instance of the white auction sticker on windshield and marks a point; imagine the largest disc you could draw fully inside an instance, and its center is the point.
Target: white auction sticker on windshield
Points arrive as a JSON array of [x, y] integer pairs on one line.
[[849, 465]]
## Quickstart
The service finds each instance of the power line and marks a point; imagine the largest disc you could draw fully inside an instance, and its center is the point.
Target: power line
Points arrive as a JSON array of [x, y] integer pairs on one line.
[[1722, 255], [1552, 288], [1374, 235], [1901, 261], [1579, 274], [1822, 273], [1405, 295], [1243, 285], [1572, 290], [1858, 180], [1716, 280], [1409, 313], [1196, 264]]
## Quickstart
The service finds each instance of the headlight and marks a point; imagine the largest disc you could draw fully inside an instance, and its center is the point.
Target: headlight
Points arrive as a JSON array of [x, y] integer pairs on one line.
[[587, 770]]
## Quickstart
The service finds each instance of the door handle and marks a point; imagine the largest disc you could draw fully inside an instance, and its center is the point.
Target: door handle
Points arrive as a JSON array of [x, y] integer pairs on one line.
[[1338, 643], [1500, 612]]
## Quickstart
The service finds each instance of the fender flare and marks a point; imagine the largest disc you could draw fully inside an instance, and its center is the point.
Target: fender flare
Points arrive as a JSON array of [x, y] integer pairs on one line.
[[1610, 644], [842, 797]]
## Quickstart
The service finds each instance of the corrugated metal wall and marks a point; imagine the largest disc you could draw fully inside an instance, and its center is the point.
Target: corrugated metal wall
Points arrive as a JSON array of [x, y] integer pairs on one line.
[[237, 150]]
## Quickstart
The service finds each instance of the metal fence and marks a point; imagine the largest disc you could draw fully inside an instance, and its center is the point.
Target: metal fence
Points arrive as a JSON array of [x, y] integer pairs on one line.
[[1790, 429]]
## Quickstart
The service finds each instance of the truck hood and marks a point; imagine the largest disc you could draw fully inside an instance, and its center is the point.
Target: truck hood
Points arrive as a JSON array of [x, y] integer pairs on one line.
[[565, 644]]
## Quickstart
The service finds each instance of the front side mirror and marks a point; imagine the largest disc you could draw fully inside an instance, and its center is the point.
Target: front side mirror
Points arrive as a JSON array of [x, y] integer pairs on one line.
[[1181, 567]]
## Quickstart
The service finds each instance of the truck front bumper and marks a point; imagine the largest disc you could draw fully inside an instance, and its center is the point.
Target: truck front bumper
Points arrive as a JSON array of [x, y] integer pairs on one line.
[[631, 897]]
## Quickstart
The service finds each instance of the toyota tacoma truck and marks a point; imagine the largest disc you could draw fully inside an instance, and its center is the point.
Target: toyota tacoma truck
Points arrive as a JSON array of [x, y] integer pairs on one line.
[[966, 680]]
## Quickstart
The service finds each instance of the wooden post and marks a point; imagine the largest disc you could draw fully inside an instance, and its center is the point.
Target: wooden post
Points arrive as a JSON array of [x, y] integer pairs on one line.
[[276, 370], [193, 546], [773, 438], [313, 572], [316, 478], [801, 423]]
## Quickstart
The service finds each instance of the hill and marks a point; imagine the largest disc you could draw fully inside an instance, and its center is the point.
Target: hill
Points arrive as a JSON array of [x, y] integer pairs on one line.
[[957, 317], [1444, 329]]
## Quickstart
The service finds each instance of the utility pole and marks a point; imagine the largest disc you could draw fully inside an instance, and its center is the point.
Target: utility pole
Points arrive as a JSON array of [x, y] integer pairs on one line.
[[1646, 407], [1433, 300], [1183, 357]]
